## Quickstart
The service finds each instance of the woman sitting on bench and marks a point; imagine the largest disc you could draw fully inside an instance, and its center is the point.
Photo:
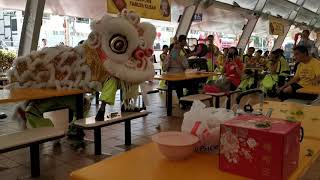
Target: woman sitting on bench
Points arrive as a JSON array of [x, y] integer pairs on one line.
[[233, 69]]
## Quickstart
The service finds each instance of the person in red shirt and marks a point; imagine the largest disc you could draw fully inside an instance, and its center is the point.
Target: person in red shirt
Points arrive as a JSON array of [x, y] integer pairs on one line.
[[233, 68]]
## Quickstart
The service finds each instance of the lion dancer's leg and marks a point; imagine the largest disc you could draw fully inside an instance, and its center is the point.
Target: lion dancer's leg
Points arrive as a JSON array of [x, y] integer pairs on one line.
[[35, 109], [108, 96]]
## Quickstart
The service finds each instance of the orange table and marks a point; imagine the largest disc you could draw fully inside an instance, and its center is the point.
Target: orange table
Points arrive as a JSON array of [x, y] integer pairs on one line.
[[310, 119], [183, 76], [15, 95], [146, 162], [310, 90], [171, 78]]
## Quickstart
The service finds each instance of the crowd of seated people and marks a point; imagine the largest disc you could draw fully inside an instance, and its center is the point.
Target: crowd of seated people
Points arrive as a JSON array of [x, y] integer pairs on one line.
[[273, 68]]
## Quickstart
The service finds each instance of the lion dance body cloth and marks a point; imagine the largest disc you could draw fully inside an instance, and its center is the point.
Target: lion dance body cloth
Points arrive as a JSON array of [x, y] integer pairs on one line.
[[116, 55]]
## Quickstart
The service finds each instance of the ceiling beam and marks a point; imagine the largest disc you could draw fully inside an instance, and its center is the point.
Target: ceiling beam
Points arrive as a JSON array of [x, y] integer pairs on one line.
[[249, 12]]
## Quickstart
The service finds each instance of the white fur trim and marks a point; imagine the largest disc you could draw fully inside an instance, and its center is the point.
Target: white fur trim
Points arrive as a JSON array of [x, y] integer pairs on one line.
[[130, 75], [149, 34]]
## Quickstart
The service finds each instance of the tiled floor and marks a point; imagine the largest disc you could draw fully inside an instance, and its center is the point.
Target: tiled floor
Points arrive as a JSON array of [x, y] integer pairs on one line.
[[58, 161]]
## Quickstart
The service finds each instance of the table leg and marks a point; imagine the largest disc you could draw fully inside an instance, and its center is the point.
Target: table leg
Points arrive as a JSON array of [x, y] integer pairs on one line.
[[217, 104], [35, 160], [228, 106], [97, 97], [97, 141], [79, 106], [127, 133], [256, 73], [169, 99]]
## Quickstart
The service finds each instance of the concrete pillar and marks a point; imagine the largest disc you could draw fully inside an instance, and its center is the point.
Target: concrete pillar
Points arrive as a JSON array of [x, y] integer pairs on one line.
[[31, 26], [251, 24], [246, 34], [186, 20], [279, 41]]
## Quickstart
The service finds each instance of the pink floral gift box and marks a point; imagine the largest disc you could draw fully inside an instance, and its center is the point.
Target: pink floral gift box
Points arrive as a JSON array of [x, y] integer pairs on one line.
[[258, 147]]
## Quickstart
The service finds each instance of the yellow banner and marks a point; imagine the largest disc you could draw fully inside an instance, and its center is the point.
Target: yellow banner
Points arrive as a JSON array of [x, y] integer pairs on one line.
[[276, 26], [152, 9]]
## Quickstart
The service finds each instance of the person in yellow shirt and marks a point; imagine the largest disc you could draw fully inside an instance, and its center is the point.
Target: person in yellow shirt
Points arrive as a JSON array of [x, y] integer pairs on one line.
[[213, 53], [222, 57], [247, 57], [308, 73]]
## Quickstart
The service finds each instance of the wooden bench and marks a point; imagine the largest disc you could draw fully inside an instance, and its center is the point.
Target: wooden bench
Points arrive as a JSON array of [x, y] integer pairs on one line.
[[209, 97], [30, 138], [200, 97], [126, 117], [218, 95]]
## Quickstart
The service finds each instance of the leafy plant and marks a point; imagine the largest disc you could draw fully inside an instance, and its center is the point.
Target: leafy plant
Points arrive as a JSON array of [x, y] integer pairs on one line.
[[6, 59]]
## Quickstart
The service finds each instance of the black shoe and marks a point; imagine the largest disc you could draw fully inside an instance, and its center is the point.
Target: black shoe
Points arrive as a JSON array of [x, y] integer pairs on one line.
[[100, 116]]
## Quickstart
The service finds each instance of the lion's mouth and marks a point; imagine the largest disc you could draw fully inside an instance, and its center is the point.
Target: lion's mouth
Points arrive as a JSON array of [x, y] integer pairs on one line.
[[137, 64], [134, 71]]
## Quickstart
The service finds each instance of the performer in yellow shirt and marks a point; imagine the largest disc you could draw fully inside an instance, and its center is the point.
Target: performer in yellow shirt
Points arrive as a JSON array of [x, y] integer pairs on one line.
[[308, 73]]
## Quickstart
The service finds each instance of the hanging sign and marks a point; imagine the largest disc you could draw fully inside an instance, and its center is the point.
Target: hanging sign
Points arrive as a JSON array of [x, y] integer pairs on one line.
[[276, 26], [151, 9]]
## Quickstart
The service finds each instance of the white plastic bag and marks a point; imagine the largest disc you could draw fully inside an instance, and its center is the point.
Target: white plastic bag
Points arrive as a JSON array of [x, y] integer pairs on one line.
[[205, 123]]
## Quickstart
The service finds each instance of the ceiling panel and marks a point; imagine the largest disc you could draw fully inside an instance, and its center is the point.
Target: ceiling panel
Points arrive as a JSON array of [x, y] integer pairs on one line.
[[312, 5], [247, 4], [280, 7], [305, 16]]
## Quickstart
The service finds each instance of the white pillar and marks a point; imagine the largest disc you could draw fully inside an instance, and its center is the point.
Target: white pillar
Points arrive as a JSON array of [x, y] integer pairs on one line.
[[246, 34], [251, 24], [31, 26]]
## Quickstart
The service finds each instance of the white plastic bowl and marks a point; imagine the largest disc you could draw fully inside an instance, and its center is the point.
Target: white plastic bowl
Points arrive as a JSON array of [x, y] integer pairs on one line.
[[175, 145]]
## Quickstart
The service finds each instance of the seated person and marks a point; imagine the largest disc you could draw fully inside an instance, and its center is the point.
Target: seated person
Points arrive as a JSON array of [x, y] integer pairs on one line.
[[233, 69], [278, 71], [247, 57], [221, 58], [177, 62], [308, 73], [283, 69], [259, 58], [220, 64]]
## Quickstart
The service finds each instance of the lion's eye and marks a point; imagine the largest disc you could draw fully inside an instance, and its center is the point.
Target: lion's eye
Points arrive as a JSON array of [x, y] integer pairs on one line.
[[118, 44]]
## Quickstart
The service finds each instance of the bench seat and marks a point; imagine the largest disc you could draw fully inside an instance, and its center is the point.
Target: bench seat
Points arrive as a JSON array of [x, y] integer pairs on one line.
[[126, 117], [30, 138], [200, 97]]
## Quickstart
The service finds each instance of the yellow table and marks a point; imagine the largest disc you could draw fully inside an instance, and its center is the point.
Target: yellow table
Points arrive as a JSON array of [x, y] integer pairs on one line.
[[183, 76], [146, 162], [15, 95], [310, 120], [174, 77], [310, 90]]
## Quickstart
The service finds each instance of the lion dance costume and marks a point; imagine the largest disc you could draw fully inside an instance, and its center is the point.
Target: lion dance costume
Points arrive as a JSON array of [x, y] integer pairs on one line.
[[116, 55]]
